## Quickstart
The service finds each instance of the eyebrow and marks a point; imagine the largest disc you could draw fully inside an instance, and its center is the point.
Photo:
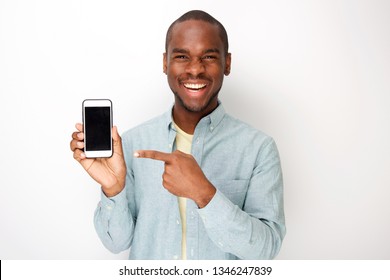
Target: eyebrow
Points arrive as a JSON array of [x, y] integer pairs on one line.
[[178, 50], [212, 51]]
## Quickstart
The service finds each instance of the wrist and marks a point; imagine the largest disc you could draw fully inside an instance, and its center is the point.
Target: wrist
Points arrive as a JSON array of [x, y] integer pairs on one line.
[[206, 195], [112, 191]]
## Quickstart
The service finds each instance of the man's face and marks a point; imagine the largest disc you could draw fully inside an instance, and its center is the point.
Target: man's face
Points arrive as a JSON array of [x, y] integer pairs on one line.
[[195, 64]]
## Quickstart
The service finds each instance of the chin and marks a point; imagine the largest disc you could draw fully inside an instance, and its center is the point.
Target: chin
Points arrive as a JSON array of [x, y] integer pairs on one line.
[[193, 108], [196, 106]]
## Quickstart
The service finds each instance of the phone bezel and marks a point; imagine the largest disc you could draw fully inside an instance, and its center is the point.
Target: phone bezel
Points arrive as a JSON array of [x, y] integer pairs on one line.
[[97, 103]]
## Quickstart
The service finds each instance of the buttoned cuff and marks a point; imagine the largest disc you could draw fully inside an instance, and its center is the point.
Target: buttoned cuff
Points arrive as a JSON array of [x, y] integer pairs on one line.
[[216, 210], [109, 203]]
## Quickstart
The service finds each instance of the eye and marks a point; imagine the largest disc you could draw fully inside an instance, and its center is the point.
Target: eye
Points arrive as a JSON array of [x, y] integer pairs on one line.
[[209, 57], [180, 57]]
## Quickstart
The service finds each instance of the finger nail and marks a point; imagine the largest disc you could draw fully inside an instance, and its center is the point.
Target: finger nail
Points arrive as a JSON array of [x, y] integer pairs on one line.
[[136, 154]]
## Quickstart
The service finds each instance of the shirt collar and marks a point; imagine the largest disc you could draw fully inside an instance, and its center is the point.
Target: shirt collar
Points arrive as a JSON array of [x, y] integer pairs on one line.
[[217, 115]]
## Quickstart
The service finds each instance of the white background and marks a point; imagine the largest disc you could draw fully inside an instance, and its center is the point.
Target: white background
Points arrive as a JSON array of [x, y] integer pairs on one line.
[[312, 74]]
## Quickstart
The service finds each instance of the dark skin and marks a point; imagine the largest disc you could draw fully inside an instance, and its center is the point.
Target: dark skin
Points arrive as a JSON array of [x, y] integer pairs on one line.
[[195, 58], [195, 64], [110, 173]]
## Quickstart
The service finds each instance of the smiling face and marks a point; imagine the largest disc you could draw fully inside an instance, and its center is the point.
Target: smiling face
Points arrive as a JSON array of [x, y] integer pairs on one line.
[[195, 64]]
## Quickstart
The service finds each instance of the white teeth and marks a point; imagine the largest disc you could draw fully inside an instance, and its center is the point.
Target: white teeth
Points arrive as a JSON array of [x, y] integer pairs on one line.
[[194, 86]]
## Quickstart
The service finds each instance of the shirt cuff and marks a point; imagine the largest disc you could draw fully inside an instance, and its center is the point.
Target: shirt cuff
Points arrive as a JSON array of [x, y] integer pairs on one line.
[[216, 210], [109, 203]]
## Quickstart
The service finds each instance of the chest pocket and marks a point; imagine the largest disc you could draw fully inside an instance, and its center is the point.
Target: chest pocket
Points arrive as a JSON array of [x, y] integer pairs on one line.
[[234, 190]]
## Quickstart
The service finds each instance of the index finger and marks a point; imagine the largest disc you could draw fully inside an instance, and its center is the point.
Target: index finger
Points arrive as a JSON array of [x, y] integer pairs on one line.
[[79, 127], [157, 155]]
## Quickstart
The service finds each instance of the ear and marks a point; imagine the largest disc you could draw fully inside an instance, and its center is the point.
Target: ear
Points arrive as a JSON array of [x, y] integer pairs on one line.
[[228, 62], [165, 63]]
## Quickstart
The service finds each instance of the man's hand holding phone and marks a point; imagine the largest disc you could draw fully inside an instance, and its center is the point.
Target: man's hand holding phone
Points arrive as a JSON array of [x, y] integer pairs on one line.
[[110, 172]]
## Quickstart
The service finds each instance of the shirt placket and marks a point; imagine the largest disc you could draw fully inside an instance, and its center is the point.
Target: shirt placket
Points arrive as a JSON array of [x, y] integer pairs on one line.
[[192, 214], [175, 249]]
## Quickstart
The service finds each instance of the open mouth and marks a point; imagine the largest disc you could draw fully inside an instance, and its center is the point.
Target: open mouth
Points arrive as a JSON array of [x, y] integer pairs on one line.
[[194, 87]]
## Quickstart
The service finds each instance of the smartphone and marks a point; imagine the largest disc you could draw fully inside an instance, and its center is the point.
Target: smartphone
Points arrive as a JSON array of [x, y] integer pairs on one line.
[[97, 120]]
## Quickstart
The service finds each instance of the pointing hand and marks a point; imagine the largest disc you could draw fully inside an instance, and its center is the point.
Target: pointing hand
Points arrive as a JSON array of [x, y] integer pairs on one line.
[[182, 175]]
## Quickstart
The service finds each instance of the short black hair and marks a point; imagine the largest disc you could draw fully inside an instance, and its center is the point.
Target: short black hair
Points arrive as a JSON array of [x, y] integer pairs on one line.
[[203, 16]]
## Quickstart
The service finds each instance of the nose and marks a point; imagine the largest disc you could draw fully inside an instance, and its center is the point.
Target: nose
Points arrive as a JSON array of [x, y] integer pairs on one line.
[[195, 67]]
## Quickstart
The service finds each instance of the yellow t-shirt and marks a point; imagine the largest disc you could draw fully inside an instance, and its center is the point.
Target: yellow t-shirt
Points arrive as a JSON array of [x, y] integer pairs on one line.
[[183, 144]]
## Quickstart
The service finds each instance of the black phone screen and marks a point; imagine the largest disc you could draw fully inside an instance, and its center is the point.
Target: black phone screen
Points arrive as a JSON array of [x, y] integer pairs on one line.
[[98, 128]]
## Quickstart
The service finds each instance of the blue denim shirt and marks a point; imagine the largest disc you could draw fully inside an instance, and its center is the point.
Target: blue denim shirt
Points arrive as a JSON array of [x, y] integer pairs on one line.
[[245, 218]]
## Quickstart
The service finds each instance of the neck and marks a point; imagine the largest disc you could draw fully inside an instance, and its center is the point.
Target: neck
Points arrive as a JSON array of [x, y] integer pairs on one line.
[[186, 120]]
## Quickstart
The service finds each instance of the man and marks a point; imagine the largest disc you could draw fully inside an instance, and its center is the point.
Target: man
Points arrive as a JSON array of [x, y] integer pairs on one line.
[[193, 183]]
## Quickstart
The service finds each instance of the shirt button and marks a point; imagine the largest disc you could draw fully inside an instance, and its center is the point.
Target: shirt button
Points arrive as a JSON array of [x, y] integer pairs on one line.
[[211, 128], [175, 257], [178, 222], [170, 145], [108, 207]]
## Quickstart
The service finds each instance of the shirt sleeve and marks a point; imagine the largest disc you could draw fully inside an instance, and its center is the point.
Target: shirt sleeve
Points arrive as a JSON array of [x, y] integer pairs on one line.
[[113, 222], [256, 231]]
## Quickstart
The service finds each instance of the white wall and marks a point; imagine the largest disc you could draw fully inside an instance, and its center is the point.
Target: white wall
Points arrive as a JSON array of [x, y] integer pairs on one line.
[[313, 74]]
